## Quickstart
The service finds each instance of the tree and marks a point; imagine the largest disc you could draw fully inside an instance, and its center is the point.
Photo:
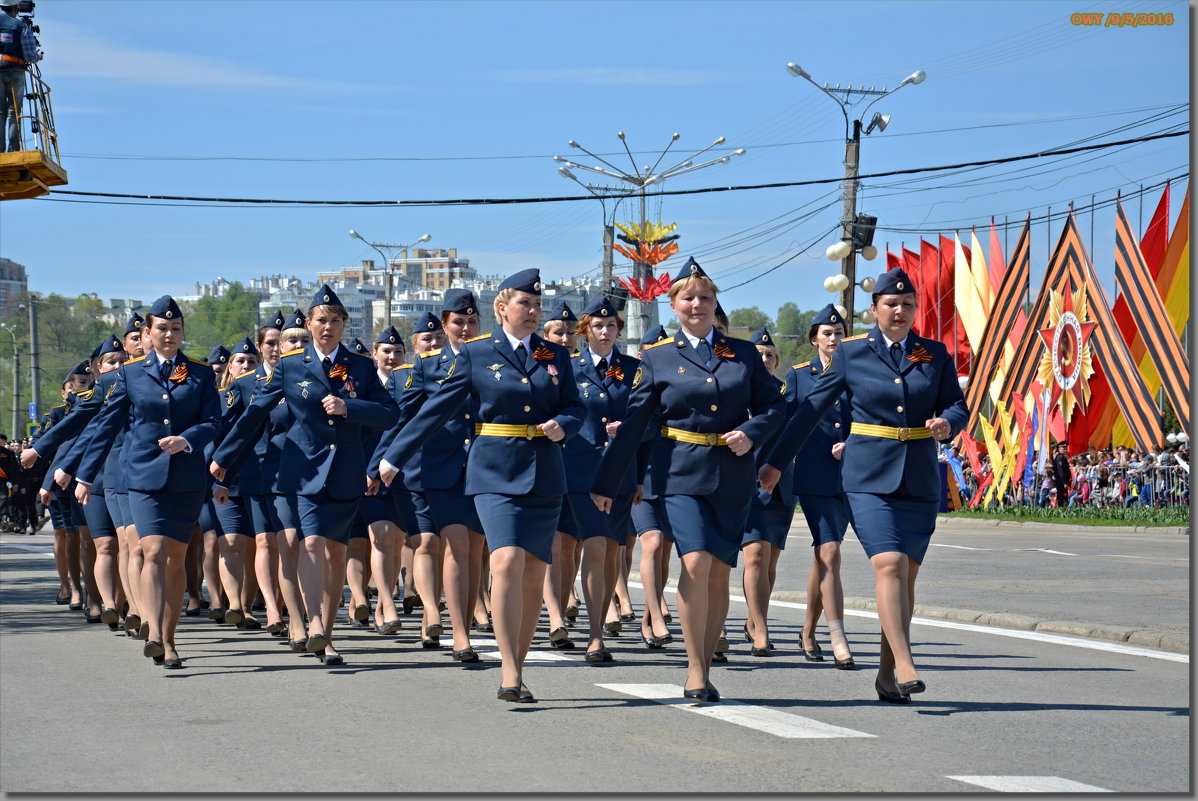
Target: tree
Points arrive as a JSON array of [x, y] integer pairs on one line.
[[223, 320], [751, 318]]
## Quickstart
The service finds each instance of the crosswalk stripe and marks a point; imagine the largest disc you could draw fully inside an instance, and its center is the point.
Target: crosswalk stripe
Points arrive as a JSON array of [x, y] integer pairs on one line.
[[489, 649], [1030, 784], [760, 718]]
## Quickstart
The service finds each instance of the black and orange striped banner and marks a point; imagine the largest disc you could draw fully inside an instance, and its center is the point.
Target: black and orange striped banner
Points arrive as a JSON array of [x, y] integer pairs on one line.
[[1151, 318], [1070, 268], [999, 324]]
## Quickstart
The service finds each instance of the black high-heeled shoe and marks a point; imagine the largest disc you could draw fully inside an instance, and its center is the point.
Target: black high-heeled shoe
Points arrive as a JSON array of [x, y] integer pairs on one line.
[[713, 695], [613, 628], [755, 651], [888, 696], [815, 654], [695, 695], [110, 616], [467, 654], [317, 642], [152, 649], [905, 688], [525, 696], [510, 694], [748, 636], [844, 664]]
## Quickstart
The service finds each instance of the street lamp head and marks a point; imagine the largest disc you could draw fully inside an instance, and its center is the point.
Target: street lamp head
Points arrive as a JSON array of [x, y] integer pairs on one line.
[[675, 137], [425, 238], [565, 173], [720, 140], [917, 77], [879, 121], [738, 152], [356, 235], [620, 134], [797, 71], [572, 143]]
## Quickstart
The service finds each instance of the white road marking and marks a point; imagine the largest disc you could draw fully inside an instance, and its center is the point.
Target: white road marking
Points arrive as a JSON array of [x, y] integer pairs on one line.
[[1045, 550], [489, 649], [961, 547], [1030, 784], [1038, 636], [37, 549], [760, 718]]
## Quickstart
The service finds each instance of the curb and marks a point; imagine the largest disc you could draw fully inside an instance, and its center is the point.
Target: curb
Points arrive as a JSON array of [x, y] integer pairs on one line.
[[952, 522], [1161, 639]]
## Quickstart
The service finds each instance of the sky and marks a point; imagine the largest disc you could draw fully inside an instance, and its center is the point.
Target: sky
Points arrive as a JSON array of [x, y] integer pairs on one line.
[[385, 100]]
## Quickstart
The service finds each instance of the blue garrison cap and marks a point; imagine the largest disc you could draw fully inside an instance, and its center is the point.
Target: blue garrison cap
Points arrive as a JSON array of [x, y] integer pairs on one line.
[[166, 308], [563, 312], [719, 310], [135, 323], [278, 321], [427, 324], [523, 281], [459, 301], [894, 282], [79, 369], [828, 315], [655, 334], [296, 320], [600, 306], [356, 346], [110, 345], [219, 355], [325, 296], [763, 337], [690, 268], [389, 337], [246, 345]]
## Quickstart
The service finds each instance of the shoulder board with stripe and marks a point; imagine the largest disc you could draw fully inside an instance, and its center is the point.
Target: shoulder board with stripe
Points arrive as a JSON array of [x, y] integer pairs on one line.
[[198, 361], [407, 366], [575, 354], [135, 361], [59, 406], [85, 394], [293, 352], [801, 366], [477, 338], [434, 352], [853, 339], [247, 374], [666, 341]]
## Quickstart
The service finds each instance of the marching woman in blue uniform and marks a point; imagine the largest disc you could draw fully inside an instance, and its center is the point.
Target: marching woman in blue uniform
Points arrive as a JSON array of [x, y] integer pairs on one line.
[[653, 529], [435, 477], [525, 401], [713, 399], [903, 395], [818, 485], [766, 529], [174, 412], [236, 540], [604, 377], [332, 393]]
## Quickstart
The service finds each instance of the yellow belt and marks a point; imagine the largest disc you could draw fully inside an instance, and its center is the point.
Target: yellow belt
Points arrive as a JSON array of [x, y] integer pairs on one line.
[[693, 437], [890, 432], [504, 430]]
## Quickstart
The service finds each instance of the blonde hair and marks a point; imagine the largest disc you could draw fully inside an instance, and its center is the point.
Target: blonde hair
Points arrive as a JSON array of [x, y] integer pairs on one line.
[[504, 297], [685, 283], [566, 324], [293, 333]]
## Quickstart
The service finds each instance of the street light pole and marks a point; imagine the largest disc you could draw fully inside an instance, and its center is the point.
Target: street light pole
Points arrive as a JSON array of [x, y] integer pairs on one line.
[[845, 98], [639, 180], [387, 266], [35, 367]]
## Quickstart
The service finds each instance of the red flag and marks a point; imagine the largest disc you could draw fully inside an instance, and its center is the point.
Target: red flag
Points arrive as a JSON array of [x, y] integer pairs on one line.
[[971, 452], [1025, 434], [932, 298], [892, 261]]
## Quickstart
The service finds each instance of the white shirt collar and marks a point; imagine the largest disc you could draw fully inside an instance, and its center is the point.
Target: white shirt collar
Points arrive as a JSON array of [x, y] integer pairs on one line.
[[595, 357], [320, 357], [889, 342], [695, 340], [161, 358], [526, 342]]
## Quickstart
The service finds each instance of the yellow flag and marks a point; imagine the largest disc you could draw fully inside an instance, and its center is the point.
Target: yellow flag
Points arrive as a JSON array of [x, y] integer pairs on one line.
[[996, 461], [969, 304]]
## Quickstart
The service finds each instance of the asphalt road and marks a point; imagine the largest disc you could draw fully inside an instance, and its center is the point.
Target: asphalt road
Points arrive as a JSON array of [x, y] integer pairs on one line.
[[1004, 709]]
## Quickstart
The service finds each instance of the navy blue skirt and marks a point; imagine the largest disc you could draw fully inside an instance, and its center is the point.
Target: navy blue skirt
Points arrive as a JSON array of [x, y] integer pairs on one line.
[[446, 507], [650, 515], [167, 514], [378, 508], [99, 520], [713, 523], [567, 523], [78, 518], [234, 516], [827, 517], [118, 507], [285, 511], [321, 516], [525, 521], [769, 519], [593, 523], [263, 515], [888, 523], [60, 512], [208, 519]]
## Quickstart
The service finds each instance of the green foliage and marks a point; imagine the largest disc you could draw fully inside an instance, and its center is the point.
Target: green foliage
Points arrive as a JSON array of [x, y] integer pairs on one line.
[[1085, 515], [220, 321], [751, 318]]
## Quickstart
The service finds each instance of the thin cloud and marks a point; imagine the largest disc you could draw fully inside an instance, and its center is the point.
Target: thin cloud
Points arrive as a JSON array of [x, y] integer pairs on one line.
[[612, 76], [78, 55]]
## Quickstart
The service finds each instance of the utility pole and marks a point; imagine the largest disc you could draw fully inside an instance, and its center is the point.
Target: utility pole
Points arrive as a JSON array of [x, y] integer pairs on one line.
[[16, 383], [35, 366], [389, 270]]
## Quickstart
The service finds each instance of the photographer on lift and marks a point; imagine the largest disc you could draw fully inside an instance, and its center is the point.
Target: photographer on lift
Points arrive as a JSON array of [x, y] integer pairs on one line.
[[18, 49]]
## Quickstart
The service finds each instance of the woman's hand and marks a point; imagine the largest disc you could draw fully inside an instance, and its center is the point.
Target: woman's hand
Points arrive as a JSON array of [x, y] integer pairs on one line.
[[220, 494], [553, 430], [612, 428], [372, 486], [768, 477], [738, 442], [638, 497], [939, 427], [217, 471], [45, 497], [387, 473], [83, 494], [837, 450], [62, 478], [602, 501], [333, 406], [173, 445]]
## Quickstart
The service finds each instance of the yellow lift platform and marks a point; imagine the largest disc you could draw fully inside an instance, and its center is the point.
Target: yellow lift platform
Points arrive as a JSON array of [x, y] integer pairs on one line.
[[31, 173]]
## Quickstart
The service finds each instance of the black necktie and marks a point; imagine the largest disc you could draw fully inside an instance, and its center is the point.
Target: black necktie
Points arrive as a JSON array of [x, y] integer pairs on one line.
[[896, 353], [704, 351], [328, 365], [166, 369], [602, 366], [521, 352]]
